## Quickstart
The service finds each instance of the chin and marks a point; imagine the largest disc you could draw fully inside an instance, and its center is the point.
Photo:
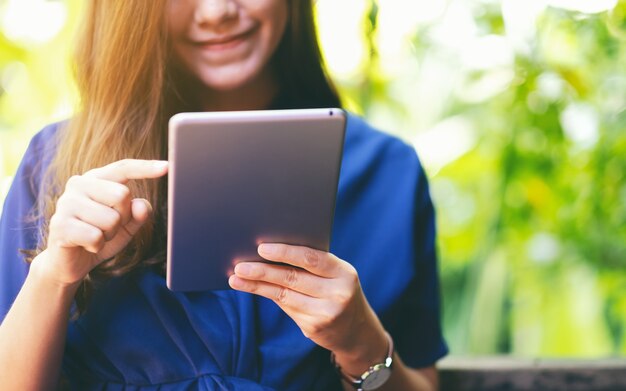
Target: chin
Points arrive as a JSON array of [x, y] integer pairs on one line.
[[226, 81], [223, 85]]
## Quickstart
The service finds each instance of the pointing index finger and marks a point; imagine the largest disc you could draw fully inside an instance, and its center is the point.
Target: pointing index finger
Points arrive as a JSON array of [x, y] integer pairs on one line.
[[124, 170]]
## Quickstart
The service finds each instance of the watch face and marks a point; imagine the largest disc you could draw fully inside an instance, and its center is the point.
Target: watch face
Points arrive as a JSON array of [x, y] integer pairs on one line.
[[376, 378]]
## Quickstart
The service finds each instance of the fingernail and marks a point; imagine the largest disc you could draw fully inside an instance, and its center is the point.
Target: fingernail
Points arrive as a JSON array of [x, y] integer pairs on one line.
[[268, 249], [235, 282], [160, 164], [243, 269]]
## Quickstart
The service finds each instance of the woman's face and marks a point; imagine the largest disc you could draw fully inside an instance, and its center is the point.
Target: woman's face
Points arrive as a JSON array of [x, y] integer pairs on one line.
[[226, 44]]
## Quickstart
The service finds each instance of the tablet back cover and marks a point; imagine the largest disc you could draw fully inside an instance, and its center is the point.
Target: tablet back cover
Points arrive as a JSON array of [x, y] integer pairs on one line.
[[238, 179]]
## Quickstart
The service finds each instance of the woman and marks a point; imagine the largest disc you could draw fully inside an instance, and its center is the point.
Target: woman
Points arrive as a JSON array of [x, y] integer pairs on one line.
[[84, 210]]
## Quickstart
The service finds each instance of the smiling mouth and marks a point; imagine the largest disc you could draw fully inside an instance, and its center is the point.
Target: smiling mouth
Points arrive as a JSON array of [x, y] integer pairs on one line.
[[227, 42]]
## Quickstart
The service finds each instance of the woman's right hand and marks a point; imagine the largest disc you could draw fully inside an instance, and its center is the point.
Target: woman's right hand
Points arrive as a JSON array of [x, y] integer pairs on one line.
[[95, 218]]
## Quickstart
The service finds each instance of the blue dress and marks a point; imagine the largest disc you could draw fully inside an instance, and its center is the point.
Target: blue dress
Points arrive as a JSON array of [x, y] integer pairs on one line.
[[138, 335]]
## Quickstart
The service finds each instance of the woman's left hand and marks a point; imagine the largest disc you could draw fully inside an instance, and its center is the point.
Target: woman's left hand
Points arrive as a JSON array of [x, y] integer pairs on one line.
[[323, 295]]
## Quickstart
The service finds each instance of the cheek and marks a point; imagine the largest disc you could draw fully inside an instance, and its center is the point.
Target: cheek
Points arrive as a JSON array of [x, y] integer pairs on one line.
[[177, 15], [273, 16], [276, 22]]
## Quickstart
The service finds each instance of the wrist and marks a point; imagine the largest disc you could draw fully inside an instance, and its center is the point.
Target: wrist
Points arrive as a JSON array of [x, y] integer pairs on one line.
[[376, 374], [371, 347], [42, 274]]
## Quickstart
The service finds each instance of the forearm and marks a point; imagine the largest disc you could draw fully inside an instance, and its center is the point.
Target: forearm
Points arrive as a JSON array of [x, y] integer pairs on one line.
[[32, 335]]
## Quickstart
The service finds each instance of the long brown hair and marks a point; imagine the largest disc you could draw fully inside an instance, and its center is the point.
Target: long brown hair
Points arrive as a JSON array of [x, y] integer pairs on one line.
[[128, 91]]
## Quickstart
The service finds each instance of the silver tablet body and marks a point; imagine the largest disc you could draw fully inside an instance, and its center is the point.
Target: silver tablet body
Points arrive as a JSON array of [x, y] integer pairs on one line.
[[238, 179]]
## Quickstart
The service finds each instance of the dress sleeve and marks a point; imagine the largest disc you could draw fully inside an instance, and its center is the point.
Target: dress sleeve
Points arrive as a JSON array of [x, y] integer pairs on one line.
[[18, 230], [418, 335]]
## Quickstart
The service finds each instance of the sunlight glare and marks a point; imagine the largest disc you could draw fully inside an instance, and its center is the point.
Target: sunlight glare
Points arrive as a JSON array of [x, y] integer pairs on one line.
[[340, 33], [585, 6], [29, 22], [398, 22], [434, 146]]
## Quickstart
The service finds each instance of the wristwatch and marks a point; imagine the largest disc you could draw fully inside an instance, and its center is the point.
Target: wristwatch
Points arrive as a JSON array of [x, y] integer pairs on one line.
[[374, 377]]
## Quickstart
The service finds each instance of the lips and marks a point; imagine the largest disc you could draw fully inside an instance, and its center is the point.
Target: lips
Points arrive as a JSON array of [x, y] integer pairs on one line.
[[226, 41]]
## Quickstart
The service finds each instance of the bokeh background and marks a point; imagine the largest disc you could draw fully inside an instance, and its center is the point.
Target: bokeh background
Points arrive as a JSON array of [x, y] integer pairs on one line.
[[517, 109]]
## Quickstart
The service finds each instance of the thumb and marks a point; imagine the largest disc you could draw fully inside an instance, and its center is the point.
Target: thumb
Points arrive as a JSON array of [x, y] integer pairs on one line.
[[141, 210]]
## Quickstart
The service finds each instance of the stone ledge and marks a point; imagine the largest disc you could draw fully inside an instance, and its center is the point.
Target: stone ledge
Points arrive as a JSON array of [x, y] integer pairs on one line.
[[515, 374]]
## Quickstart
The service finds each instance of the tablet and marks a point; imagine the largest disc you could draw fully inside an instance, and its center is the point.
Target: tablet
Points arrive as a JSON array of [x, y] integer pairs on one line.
[[237, 179]]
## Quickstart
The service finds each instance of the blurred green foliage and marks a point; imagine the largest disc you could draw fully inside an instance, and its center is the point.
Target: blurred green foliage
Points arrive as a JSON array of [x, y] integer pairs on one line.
[[532, 215], [35, 77], [518, 114]]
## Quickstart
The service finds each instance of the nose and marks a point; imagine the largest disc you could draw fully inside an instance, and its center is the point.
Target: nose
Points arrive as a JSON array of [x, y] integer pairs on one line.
[[214, 12]]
